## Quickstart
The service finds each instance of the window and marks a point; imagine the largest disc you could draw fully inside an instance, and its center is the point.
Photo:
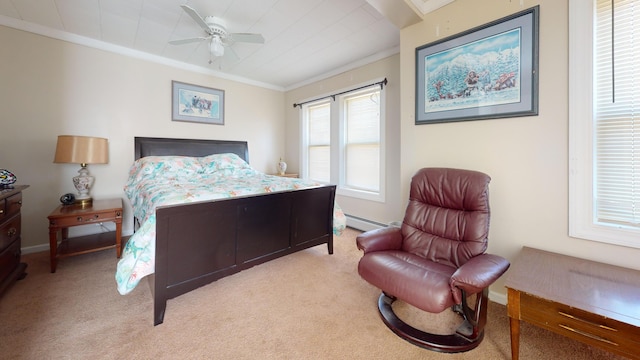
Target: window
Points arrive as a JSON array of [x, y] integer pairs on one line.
[[604, 121], [342, 142]]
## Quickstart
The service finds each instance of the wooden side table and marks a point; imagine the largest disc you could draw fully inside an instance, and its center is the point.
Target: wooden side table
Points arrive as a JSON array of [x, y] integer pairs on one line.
[[66, 216], [591, 302]]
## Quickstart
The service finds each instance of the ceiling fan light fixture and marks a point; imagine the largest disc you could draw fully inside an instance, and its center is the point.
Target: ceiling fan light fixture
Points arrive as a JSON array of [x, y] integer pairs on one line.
[[216, 33], [217, 49]]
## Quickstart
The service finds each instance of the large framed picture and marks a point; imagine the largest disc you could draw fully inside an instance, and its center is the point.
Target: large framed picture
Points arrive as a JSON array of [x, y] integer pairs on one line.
[[487, 72], [195, 103]]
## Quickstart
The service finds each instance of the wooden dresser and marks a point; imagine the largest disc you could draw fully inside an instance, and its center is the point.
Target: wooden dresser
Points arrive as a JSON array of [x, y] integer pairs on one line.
[[588, 301], [11, 269]]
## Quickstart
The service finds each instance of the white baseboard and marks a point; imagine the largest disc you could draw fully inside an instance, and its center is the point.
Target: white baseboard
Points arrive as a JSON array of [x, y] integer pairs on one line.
[[35, 249], [498, 297], [362, 224]]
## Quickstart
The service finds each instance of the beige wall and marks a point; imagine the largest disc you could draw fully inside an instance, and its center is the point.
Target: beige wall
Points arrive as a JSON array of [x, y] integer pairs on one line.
[[51, 87], [389, 68], [527, 157]]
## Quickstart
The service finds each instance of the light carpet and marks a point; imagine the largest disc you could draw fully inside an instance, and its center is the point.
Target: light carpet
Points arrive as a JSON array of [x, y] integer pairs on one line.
[[309, 305]]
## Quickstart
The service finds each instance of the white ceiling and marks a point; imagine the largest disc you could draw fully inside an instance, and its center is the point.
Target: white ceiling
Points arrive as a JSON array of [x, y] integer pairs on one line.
[[304, 39]]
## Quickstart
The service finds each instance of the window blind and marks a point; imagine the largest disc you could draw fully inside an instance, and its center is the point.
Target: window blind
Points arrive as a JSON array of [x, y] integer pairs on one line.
[[319, 142], [617, 113], [362, 145]]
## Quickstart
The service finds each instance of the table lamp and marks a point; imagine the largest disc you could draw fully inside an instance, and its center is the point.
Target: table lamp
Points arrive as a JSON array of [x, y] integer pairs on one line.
[[82, 150]]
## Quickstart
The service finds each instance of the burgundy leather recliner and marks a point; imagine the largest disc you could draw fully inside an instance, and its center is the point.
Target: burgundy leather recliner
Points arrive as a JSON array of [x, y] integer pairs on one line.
[[436, 259]]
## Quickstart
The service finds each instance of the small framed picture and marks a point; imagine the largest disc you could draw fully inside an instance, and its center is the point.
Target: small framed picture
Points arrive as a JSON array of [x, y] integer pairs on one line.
[[193, 103]]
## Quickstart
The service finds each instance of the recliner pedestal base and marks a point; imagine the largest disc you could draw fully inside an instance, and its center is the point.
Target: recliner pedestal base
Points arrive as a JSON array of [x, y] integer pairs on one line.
[[451, 343]]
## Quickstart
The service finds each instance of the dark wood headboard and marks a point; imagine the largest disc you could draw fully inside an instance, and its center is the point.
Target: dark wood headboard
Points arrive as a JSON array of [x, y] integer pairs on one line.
[[145, 146]]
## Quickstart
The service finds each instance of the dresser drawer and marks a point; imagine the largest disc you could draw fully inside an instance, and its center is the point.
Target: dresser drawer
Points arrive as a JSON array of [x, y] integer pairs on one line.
[[14, 203], [10, 205], [9, 231], [9, 259], [577, 324]]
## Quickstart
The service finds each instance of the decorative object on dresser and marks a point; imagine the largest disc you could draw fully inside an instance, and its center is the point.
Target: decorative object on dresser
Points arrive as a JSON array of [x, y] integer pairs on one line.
[[588, 301], [11, 269], [82, 150], [7, 179], [66, 216]]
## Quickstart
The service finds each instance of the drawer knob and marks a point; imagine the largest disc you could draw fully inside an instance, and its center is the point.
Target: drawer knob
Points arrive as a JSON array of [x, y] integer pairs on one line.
[[12, 232], [79, 218], [1, 211]]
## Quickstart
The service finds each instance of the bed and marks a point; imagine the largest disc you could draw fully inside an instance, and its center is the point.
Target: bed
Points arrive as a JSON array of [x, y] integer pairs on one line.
[[185, 244]]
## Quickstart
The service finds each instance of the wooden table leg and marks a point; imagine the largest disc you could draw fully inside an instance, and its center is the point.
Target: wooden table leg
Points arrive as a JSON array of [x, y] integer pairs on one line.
[[513, 310], [118, 239], [53, 247], [514, 325]]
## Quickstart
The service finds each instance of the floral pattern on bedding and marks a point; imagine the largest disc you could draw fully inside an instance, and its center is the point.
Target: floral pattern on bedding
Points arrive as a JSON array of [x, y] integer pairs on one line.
[[163, 180]]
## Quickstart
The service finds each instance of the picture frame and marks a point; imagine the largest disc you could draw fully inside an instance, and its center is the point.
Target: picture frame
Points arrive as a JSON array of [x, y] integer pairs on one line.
[[194, 103], [487, 72]]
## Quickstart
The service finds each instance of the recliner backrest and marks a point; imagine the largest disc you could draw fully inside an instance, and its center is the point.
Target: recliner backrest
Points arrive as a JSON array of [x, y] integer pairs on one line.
[[447, 218]]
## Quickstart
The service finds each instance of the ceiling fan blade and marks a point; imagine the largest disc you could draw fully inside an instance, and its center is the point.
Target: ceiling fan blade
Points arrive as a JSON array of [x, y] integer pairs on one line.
[[196, 17], [187, 41], [247, 37]]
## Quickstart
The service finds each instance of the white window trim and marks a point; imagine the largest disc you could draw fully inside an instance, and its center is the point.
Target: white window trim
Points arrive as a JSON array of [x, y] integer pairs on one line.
[[337, 152], [582, 222]]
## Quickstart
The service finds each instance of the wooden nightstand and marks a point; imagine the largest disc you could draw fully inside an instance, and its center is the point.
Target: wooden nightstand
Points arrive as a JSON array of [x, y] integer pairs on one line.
[[287, 175], [66, 216]]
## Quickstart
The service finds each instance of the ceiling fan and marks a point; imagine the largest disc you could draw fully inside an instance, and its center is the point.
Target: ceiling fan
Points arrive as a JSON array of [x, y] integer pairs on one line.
[[217, 35]]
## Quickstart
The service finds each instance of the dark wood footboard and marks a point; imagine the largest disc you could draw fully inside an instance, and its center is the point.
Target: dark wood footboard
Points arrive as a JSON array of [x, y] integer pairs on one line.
[[199, 243]]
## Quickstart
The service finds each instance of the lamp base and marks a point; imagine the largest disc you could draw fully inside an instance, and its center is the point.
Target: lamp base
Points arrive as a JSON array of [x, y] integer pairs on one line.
[[83, 183], [84, 202]]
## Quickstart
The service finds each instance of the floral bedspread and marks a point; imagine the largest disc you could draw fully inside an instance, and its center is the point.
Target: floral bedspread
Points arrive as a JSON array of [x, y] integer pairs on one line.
[[164, 180]]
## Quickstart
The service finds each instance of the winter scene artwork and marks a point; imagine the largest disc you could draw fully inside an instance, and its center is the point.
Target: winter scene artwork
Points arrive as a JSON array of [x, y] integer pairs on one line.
[[484, 73]]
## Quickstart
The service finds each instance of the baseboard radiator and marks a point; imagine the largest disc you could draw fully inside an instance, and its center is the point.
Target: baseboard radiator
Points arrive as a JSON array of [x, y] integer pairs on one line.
[[362, 224]]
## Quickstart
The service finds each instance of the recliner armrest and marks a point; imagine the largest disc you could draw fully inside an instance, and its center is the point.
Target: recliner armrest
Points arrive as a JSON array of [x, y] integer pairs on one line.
[[389, 238], [476, 274]]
